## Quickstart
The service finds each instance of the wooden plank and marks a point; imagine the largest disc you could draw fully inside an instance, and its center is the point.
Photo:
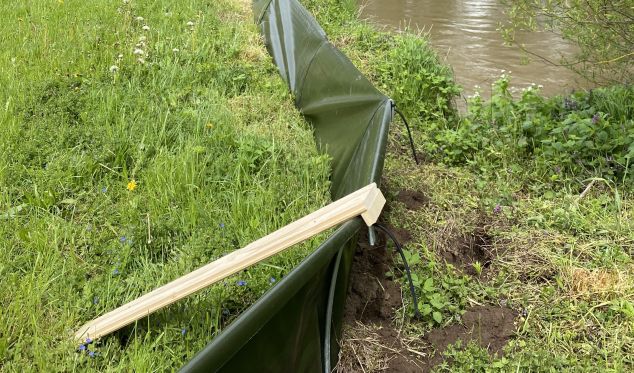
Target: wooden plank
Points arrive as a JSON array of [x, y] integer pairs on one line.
[[367, 202]]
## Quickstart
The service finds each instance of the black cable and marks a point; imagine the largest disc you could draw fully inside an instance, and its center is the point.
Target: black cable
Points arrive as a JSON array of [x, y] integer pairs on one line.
[[399, 248], [328, 323], [409, 132]]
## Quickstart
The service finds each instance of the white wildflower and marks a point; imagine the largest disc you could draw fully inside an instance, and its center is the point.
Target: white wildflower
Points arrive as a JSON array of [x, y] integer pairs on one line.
[[141, 61], [190, 24], [540, 86], [139, 19], [138, 52], [126, 1], [142, 38], [176, 50], [114, 68], [146, 28], [120, 56]]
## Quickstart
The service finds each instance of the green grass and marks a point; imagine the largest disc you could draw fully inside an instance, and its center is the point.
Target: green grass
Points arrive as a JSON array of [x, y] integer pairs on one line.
[[199, 119], [220, 156], [563, 263]]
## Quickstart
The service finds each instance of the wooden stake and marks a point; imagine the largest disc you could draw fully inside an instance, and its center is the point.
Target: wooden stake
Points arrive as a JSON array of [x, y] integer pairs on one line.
[[367, 202]]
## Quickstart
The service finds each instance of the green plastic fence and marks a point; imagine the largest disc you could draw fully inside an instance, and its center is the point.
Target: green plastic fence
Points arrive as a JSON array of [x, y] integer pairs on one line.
[[295, 326]]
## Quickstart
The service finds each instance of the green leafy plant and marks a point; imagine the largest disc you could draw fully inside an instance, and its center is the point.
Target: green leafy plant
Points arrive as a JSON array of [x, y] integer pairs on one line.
[[586, 134], [440, 296], [477, 267]]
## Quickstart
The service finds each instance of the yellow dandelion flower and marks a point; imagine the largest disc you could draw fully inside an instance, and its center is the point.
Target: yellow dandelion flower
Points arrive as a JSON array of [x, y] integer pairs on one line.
[[132, 185], [210, 125]]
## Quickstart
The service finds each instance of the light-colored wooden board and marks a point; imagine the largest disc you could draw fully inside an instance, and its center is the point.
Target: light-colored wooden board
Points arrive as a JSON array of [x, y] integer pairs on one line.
[[367, 202]]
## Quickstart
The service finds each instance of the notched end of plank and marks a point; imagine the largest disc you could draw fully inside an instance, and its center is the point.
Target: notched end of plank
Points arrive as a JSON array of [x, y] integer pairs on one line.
[[374, 205]]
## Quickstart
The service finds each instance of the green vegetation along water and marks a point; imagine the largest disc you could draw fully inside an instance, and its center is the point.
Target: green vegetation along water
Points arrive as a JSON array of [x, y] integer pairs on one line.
[[518, 224]]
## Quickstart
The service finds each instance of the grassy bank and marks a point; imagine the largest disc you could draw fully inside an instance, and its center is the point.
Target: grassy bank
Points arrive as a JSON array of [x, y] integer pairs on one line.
[[138, 141], [522, 207]]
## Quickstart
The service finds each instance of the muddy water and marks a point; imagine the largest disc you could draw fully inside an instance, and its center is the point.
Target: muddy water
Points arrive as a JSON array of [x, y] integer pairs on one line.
[[464, 32]]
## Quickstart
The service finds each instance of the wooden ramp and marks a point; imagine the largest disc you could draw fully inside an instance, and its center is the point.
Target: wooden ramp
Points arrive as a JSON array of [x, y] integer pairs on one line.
[[367, 202]]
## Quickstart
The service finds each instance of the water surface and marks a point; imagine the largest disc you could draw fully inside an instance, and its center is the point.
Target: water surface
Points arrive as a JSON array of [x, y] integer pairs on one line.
[[464, 32]]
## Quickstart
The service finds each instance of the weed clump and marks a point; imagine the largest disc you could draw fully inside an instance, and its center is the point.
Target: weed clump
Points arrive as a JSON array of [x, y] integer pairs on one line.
[[582, 135]]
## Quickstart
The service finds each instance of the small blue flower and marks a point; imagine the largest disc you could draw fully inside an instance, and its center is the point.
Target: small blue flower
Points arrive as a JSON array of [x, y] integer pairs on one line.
[[241, 283], [183, 331], [89, 228], [88, 341], [115, 272], [595, 118], [82, 347], [497, 209], [91, 353], [272, 280], [222, 225], [123, 239], [104, 189], [95, 300]]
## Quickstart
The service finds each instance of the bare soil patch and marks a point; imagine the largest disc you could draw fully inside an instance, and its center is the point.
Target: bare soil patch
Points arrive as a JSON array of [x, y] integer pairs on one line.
[[489, 326], [372, 297], [371, 342], [413, 200], [465, 250]]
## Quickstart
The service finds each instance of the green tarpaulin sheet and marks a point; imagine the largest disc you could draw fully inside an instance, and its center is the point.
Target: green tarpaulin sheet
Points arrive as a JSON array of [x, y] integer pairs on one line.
[[295, 326]]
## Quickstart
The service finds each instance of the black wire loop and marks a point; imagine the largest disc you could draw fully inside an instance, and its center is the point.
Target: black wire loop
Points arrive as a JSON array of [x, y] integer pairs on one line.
[[409, 132], [408, 272]]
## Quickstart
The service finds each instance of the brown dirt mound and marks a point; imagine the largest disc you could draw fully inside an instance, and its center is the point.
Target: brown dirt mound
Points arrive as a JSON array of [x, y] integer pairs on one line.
[[372, 343], [371, 297], [467, 249], [489, 326], [412, 199]]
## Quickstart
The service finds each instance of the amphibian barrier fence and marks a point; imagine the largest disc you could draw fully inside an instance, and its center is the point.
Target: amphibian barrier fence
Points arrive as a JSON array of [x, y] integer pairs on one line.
[[295, 326]]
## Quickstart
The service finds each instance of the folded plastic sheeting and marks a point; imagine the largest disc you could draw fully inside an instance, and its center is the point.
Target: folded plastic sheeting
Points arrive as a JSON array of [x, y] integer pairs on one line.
[[295, 326]]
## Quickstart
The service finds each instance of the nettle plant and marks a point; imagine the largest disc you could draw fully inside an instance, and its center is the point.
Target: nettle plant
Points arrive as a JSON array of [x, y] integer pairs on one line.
[[585, 134]]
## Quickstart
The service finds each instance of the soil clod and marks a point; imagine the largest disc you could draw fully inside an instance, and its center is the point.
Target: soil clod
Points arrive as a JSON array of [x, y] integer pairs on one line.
[[412, 200], [489, 326]]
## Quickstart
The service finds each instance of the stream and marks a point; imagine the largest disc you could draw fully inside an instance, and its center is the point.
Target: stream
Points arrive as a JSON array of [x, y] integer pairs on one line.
[[465, 35]]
